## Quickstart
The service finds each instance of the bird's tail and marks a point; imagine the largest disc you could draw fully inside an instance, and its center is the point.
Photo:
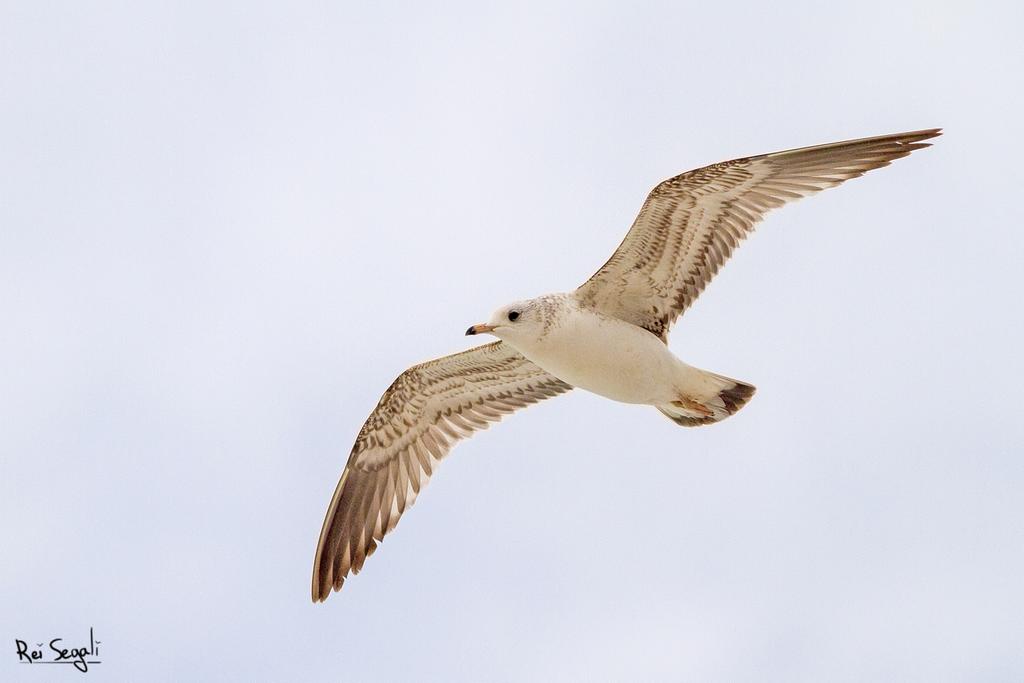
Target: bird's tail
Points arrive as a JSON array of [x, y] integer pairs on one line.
[[709, 398]]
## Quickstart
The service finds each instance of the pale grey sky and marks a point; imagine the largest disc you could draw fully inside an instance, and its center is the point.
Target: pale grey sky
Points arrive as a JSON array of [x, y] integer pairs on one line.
[[225, 228]]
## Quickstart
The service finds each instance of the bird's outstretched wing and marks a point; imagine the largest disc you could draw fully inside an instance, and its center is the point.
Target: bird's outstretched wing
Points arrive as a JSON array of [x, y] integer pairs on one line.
[[417, 421], [690, 224]]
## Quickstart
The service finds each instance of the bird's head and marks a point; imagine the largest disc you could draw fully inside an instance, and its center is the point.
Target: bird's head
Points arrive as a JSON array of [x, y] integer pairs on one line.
[[522, 320]]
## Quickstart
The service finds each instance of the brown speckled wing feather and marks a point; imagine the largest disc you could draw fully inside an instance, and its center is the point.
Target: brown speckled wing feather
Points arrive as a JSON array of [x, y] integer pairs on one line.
[[690, 224], [417, 421]]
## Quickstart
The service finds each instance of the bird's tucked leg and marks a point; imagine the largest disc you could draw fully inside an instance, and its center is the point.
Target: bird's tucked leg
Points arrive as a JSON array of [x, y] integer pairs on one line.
[[692, 406]]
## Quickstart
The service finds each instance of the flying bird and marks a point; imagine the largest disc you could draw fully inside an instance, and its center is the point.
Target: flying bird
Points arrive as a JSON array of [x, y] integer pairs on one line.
[[609, 336]]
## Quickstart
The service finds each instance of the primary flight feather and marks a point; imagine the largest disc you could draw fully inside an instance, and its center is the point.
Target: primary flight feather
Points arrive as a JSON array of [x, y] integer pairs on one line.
[[609, 336]]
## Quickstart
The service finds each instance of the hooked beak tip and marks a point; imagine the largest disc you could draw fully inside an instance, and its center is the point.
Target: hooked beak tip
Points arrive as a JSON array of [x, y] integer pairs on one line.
[[471, 331]]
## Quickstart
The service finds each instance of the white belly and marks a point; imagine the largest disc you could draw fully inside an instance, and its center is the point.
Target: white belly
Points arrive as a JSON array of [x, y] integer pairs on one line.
[[608, 357]]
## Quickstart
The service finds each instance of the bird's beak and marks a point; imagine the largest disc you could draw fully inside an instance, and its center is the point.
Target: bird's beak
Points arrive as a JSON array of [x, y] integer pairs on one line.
[[478, 329]]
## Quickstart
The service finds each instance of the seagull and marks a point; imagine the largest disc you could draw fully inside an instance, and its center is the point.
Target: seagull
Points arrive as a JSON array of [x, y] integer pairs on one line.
[[609, 336]]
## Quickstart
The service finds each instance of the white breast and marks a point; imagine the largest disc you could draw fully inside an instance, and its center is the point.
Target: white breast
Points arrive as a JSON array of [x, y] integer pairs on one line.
[[607, 356]]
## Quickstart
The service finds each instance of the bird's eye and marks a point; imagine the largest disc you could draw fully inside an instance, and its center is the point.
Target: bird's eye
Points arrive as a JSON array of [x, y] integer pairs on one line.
[[513, 315]]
